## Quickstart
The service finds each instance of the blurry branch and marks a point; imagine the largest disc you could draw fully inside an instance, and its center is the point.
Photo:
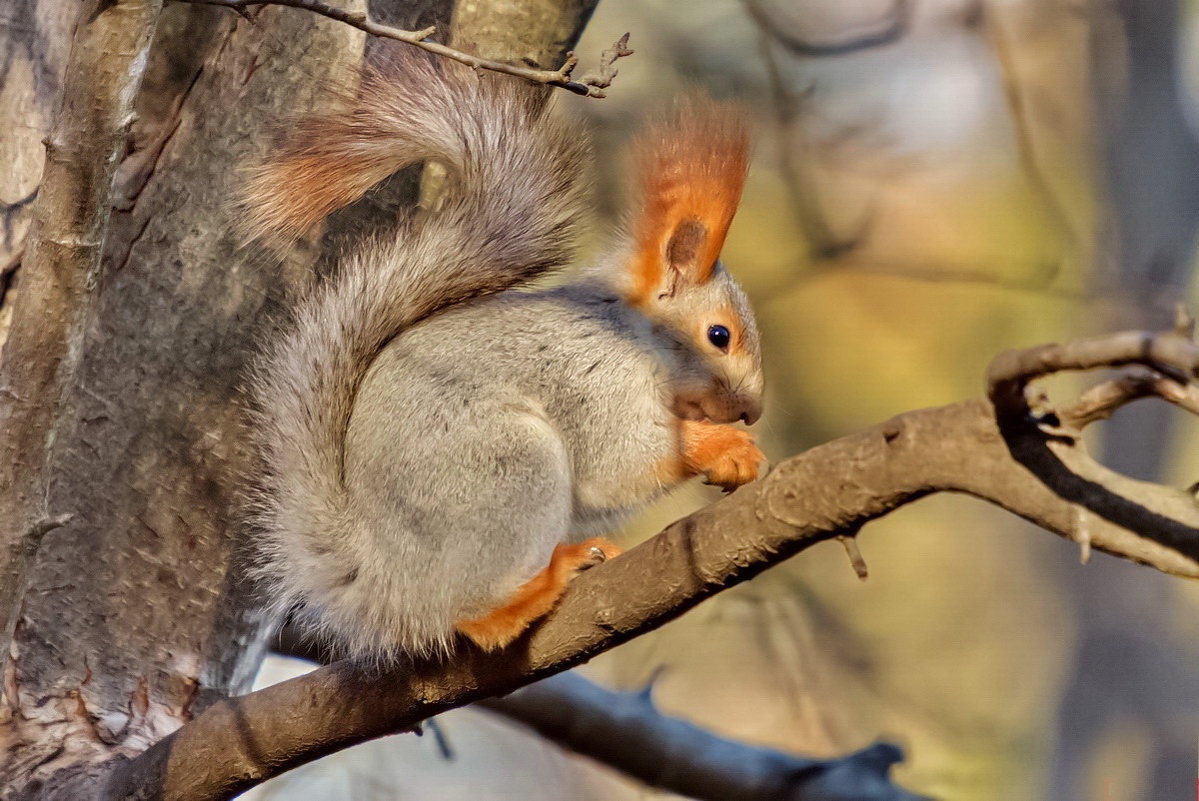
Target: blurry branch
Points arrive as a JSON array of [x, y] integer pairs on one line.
[[624, 730], [1033, 464], [891, 28], [563, 77], [1038, 275], [823, 243], [1019, 114], [9, 212], [830, 250], [61, 258], [1037, 279], [627, 732]]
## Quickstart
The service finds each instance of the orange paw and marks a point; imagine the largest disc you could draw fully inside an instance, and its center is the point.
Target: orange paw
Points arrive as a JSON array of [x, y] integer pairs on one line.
[[723, 455], [588, 553], [537, 596]]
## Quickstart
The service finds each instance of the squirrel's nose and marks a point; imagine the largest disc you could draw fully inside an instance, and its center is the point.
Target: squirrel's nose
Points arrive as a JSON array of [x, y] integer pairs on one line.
[[750, 412]]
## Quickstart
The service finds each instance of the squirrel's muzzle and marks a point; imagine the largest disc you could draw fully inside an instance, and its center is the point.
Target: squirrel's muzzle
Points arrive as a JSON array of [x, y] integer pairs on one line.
[[750, 412], [722, 408]]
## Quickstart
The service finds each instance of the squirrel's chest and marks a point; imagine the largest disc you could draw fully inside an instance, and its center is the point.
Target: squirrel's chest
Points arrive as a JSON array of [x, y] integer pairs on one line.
[[617, 454]]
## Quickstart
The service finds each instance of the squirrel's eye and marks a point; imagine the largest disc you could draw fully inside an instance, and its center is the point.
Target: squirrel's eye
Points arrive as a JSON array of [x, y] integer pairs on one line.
[[719, 336]]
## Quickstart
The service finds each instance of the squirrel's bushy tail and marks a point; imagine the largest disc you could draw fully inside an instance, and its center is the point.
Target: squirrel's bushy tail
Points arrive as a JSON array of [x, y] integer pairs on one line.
[[509, 209]]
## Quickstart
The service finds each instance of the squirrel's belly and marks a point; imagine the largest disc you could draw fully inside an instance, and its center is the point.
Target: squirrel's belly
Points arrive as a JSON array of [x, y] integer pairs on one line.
[[591, 522], [605, 499]]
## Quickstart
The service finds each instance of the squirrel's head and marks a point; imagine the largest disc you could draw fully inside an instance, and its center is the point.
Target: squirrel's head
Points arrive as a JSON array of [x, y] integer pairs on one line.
[[691, 167]]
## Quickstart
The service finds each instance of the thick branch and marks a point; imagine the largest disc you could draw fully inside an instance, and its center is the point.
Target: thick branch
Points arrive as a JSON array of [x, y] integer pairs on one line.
[[563, 77], [832, 490]]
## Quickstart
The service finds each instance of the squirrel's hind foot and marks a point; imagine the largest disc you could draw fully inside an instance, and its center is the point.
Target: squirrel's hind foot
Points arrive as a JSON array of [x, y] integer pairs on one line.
[[537, 596]]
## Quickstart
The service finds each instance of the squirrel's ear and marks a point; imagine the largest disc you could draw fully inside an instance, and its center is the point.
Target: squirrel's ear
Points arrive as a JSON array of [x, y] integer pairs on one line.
[[691, 168], [686, 255]]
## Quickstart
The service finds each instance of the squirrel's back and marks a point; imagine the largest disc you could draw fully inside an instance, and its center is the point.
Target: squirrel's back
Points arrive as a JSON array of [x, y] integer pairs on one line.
[[508, 215]]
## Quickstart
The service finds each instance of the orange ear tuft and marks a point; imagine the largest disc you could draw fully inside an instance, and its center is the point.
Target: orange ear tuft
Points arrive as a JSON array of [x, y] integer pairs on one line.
[[691, 165]]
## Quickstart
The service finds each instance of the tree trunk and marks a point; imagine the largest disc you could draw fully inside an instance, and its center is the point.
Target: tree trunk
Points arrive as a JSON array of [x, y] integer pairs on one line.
[[136, 616], [138, 613]]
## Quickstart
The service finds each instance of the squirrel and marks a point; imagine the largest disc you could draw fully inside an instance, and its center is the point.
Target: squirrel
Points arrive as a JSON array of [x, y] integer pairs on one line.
[[443, 447]]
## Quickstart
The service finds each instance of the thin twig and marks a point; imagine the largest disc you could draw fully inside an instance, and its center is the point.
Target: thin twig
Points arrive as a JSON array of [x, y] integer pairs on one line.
[[607, 66], [562, 77], [850, 543], [1100, 402]]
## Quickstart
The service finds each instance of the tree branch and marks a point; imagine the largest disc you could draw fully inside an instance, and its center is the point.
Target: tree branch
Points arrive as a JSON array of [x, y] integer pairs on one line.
[[563, 77], [627, 732], [1035, 467], [890, 29]]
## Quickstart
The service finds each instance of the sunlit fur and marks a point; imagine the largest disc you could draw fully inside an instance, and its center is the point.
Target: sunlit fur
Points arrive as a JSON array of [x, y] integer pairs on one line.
[[431, 434], [689, 165], [689, 169]]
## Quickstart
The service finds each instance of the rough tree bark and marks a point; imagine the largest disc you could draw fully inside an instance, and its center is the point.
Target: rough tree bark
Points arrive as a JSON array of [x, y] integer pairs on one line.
[[69, 223], [133, 619], [121, 370]]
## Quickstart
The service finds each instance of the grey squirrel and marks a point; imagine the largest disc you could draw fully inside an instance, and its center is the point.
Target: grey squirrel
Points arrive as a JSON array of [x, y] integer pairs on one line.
[[439, 445]]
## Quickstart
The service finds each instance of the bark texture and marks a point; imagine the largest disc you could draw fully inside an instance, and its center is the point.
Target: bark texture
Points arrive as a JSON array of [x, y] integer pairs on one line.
[[120, 392], [34, 39], [136, 620], [135, 616], [107, 59]]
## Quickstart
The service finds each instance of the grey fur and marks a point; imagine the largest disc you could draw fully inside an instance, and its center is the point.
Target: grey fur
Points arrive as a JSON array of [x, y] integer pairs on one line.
[[420, 473]]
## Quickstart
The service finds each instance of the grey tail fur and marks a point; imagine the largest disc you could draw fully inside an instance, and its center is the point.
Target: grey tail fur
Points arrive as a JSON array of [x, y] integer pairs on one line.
[[510, 209]]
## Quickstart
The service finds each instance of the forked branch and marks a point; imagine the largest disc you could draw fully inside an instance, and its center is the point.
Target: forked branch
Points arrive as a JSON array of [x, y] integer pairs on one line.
[[1033, 464]]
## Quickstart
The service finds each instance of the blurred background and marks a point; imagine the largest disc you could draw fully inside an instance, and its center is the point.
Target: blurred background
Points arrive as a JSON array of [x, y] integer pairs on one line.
[[934, 181]]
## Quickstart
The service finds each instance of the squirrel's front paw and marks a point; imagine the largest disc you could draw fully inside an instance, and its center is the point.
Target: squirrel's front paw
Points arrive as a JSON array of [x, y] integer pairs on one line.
[[724, 456]]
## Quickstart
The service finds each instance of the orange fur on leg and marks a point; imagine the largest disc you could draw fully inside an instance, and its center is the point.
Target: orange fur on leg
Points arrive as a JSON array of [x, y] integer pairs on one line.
[[723, 455], [536, 596]]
